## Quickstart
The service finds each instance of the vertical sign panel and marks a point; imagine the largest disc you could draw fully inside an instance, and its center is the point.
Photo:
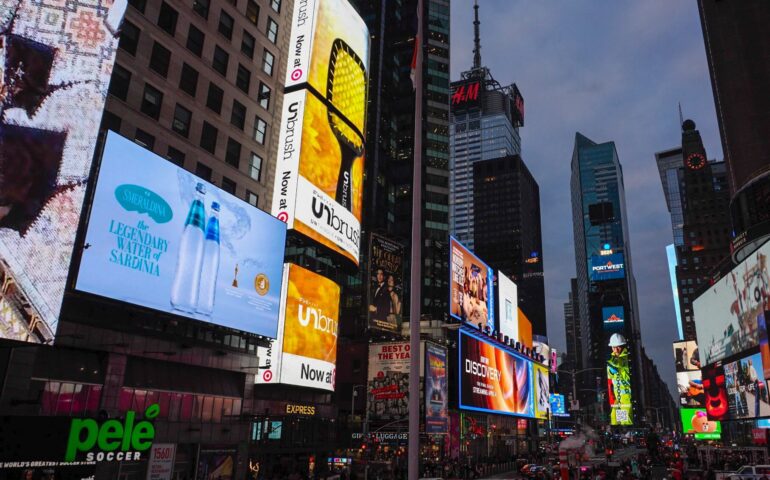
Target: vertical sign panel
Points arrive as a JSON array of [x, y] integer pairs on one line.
[[436, 394], [386, 290]]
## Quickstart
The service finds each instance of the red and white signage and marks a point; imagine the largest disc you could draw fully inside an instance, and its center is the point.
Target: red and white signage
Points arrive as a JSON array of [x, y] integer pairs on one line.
[[161, 464]]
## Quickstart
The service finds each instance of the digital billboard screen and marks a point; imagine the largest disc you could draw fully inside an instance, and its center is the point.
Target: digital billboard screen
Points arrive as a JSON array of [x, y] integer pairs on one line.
[[436, 394], [56, 65], [607, 267], [688, 374], [558, 405], [318, 188], [686, 356], [388, 380], [162, 238], [542, 391], [471, 287], [386, 289], [747, 395], [494, 380], [695, 422], [715, 392], [726, 315], [508, 307], [613, 315], [619, 380]]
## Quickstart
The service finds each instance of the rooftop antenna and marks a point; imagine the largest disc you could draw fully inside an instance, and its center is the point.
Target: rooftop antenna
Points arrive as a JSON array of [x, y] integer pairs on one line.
[[681, 117], [476, 38]]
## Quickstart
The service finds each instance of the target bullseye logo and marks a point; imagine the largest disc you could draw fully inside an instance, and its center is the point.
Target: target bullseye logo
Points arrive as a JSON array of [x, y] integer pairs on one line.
[[267, 376], [283, 216], [296, 74]]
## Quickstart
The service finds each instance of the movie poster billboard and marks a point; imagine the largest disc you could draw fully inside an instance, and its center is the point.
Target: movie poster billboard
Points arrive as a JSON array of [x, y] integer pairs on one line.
[[386, 289], [318, 188], [715, 390], [542, 392], [436, 392], [57, 59], [607, 267], [388, 381], [726, 315], [747, 395], [695, 422], [508, 307], [162, 238], [494, 380], [471, 287]]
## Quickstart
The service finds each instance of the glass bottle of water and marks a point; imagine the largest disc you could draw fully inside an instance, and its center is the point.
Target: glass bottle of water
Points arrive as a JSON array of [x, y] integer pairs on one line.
[[210, 267], [184, 289]]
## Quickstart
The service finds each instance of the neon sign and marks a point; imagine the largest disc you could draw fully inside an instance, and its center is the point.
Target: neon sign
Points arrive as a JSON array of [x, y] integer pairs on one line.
[[466, 93]]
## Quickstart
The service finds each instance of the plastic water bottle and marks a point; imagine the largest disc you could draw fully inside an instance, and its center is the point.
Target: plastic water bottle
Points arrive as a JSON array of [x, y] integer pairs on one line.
[[184, 289], [210, 267]]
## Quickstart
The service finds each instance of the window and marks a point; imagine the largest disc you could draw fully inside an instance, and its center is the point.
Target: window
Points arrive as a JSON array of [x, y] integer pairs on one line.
[[176, 156], [195, 39], [252, 12], [201, 7], [243, 79], [138, 4], [252, 198], [228, 185], [247, 44], [233, 153], [110, 121], [267, 62], [209, 137], [182, 119], [167, 19], [129, 37], [214, 99], [264, 96], [276, 5], [221, 58], [238, 116], [151, 101], [188, 81], [272, 30], [159, 59], [144, 139], [226, 25], [255, 167], [120, 81], [260, 129], [203, 171]]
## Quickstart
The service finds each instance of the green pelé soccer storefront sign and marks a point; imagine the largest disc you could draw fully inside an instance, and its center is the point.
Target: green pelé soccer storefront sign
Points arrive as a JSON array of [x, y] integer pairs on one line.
[[113, 439]]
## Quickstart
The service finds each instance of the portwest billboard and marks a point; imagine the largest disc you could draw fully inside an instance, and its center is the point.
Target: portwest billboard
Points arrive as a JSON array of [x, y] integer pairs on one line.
[[607, 267], [319, 174], [494, 380], [162, 238], [471, 287], [56, 66]]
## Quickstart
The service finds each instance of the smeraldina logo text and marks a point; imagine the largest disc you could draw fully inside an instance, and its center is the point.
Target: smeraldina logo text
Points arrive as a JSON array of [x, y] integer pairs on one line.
[[113, 439]]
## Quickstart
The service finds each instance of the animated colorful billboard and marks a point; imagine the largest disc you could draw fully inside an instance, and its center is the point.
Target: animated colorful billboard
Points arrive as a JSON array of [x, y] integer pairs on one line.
[[695, 422], [386, 290], [388, 380], [607, 267], [56, 59], [726, 315], [558, 406], [494, 380], [436, 394], [619, 381], [542, 392], [715, 392], [471, 287], [747, 395], [686, 356], [688, 375], [162, 238], [318, 188]]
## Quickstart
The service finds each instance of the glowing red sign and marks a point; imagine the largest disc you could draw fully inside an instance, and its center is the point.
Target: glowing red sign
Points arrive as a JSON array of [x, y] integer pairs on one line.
[[466, 93]]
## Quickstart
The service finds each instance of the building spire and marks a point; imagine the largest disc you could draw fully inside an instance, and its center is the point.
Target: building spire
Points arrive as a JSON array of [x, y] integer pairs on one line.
[[681, 117], [476, 37]]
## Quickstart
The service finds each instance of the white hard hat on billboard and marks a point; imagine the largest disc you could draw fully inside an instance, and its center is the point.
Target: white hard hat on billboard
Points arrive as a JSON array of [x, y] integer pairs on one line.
[[617, 340]]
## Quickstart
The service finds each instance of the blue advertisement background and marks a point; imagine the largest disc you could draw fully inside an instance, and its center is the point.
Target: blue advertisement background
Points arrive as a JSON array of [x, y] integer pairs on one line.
[[608, 312], [436, 412], [249, 238], [602, 261]]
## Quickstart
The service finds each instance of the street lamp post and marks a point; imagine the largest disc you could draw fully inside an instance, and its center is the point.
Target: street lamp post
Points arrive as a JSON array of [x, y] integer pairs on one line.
[[573, 373], [353, 400]]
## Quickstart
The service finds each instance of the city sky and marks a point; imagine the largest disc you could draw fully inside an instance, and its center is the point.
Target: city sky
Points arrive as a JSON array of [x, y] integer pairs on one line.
[[613, 71]]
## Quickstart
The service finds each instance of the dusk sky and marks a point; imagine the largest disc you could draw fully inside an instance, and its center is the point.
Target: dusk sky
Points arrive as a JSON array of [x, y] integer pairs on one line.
[[613, 71]]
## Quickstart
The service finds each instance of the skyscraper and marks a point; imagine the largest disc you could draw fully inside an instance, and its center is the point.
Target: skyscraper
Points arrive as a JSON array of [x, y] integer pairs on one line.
[[736, 39], [670, 163]]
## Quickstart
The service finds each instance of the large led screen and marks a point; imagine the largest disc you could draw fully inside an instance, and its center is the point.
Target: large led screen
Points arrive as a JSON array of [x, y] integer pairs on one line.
[[688, 374], [558, 407], [508, 307], [386, 289], [388, 380], [715, 392], [436, 394], [56, 60], [686, 356], [607, 267], [162, 238], [747, 395], [318, 188], [494, 380], [695, 422], [726, 314], [471, 287], [542, 391], [619, 380]]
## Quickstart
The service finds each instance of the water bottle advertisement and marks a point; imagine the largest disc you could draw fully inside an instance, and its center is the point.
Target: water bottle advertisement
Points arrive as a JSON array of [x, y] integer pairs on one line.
[[162, 238]]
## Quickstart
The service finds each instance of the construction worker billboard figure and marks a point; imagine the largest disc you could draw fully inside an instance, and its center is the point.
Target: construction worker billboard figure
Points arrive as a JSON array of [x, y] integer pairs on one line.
[[619, 381]]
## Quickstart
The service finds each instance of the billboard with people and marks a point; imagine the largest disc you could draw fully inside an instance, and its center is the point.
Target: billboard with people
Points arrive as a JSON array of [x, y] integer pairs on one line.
[[688, 375], [386, 289], [619, 381], [388, 380], [471, 287]]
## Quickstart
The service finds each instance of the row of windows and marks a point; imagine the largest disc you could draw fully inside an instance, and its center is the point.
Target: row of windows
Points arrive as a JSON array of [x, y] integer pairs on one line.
[[182, 407]]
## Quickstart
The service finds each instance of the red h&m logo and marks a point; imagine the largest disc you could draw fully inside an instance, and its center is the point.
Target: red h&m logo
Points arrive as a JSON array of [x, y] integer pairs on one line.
[[466, 93]]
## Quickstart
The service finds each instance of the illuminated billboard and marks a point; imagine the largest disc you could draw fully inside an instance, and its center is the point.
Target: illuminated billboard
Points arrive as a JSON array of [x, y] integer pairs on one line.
[[471, 287], [607, 267], [466, 94], [436, 393], [558, 406], [747, 395], [613, 315], [619, 381], [56, 65], [494, 380], [686, 356], [388, 380], [542, 391], [386, 289], [507, 307], [162, 238], [695, 422], [688, 375], [726, 314], [715, 392], [319, 174]]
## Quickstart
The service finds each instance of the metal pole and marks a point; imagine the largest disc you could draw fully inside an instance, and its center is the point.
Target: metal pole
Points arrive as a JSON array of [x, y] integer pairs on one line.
[[366, 434], [415, 301]]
